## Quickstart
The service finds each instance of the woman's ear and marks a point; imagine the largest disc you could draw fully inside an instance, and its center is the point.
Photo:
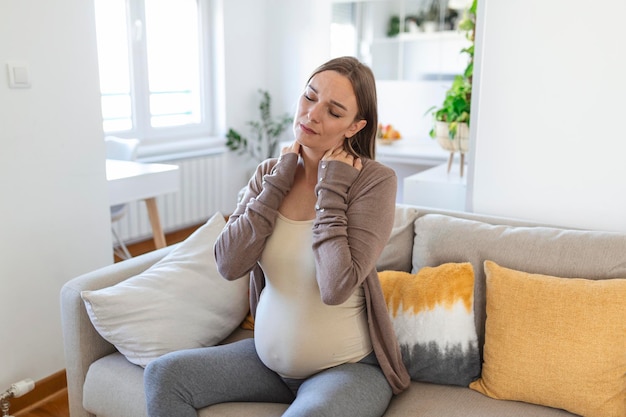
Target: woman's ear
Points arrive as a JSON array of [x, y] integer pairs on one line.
[[355, 128]]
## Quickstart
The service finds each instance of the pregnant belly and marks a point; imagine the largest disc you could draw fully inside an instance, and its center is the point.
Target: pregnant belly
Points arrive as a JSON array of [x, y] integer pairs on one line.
[[297, 338]]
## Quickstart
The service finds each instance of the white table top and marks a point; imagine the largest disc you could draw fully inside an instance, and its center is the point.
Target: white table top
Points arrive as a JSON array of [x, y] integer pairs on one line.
[[129, 181], [412, 151], [440, 175]]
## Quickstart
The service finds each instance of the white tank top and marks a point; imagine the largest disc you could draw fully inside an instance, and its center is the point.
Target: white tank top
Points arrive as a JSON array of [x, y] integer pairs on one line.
[[295, 333]]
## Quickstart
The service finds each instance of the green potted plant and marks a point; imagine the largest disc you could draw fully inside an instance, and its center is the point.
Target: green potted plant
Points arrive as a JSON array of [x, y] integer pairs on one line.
[[394, 26], [451, 119], [265, 132]]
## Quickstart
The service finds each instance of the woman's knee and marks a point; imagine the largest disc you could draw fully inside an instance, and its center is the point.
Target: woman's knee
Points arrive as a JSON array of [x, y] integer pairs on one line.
[[357, 390], [157, 367], [161, 374]]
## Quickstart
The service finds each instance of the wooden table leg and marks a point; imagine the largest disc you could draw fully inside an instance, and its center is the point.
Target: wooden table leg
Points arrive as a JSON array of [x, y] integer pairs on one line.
[[155, 222], [450, 160], [462, 162]]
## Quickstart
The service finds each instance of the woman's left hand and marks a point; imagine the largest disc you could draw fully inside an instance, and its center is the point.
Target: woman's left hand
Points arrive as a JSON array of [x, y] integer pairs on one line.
[[341, 155]]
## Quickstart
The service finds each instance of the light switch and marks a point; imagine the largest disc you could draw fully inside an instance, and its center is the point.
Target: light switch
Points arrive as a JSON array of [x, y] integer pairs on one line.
[[18, 75]]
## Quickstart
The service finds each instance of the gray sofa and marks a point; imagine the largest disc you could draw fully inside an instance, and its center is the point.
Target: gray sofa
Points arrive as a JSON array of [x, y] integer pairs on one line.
[[102, 382]]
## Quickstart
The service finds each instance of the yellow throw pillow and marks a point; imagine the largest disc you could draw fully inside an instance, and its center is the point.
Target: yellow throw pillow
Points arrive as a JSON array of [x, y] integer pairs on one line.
[[248, 322], [558, 342], [433, 317]]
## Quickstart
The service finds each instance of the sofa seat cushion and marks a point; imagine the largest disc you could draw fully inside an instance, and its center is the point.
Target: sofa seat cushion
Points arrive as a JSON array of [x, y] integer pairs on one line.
[[114, 387], [428, 400], [244, 410], [420, 400]]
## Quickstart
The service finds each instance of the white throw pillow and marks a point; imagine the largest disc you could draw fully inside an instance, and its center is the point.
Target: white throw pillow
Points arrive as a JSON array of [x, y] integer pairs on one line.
[[180, 302]]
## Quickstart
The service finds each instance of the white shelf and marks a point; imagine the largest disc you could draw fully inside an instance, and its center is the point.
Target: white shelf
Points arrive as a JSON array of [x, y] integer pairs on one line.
[[412, 151], [418, 56], [436, 36]]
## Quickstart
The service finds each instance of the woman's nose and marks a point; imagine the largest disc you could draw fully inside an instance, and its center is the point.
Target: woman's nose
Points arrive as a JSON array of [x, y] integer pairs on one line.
[[314, 112]]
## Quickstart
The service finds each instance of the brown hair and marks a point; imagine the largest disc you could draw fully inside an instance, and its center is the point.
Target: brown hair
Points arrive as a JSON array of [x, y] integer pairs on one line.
[[363, 143]]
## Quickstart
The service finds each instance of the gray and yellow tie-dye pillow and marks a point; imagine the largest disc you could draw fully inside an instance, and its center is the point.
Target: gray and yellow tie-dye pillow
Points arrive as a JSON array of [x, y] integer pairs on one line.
[[433, 317]]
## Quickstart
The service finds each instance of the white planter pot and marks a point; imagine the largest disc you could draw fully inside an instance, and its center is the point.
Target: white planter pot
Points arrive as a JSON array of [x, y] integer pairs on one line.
[[429, 27], [460, 141]]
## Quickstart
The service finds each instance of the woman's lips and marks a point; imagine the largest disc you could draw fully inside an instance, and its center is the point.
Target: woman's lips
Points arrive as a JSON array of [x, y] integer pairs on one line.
[[307, 130]]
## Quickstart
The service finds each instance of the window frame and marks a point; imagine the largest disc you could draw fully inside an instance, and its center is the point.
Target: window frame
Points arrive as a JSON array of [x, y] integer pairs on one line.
[[139, 89]]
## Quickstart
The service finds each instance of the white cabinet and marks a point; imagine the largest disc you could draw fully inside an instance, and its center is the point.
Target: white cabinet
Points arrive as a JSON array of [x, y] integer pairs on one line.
[[418, 57], [409, 156], [436, 187]]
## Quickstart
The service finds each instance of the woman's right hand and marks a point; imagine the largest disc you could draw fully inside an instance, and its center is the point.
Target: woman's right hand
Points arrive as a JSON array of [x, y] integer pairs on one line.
[[293, 147]]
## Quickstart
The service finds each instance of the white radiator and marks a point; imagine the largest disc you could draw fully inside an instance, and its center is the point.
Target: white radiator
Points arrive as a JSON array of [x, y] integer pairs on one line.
[[204, 190]]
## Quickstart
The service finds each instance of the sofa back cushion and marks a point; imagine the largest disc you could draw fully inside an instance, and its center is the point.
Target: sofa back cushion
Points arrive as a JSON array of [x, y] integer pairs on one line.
[[540, 250], [396, 255]]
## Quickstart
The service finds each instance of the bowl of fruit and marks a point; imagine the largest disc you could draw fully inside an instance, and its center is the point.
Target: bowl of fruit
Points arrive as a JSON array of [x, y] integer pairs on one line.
[[387, 134]]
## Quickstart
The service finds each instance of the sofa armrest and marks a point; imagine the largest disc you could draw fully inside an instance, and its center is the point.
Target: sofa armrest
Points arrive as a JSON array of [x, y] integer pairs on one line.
[[82, 343]]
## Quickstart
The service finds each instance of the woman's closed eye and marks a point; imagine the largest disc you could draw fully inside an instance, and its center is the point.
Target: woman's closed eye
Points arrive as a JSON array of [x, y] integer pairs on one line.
[[332, 112]]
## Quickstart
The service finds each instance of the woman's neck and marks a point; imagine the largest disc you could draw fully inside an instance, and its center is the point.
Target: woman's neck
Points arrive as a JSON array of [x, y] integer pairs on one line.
[[310, 162]]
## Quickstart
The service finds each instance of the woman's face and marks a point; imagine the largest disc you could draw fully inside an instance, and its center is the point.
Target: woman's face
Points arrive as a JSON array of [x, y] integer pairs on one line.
[[326, 112]]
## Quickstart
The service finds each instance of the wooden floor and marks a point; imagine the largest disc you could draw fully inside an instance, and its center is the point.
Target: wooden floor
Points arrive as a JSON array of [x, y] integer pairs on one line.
[[170, 238], [56, 404]]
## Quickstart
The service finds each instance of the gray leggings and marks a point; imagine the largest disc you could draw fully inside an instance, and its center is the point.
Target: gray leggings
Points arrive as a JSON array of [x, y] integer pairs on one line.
[[179, 383]]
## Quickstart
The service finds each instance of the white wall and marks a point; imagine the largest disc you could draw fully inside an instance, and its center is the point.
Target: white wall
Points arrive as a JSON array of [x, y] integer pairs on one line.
[[54, 215], [245, 50], [298, 42], [272, 45], [548, 138]]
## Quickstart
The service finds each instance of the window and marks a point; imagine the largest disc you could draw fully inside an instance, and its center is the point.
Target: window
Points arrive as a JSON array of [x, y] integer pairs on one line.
[[343, 30], [153, 68]]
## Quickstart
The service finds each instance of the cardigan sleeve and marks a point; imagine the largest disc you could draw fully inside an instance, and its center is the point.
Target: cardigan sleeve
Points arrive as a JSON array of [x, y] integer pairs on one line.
[[240, 244], [355, 215], [354, 218]]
